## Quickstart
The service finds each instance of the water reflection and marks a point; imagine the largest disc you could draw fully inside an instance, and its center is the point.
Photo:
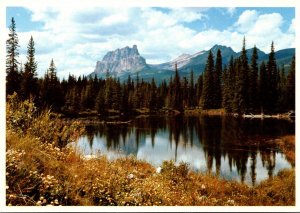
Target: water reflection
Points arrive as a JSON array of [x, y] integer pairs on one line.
[[228, 147]]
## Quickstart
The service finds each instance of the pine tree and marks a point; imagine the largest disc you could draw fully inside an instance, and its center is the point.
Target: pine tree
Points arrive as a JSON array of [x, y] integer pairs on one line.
[[226, 99], [290, 87], [191, 94], [177, 101], [263, 87], [199, 89], [50, 90], [153, 96], [170, 95], [124, 108], [100, 101], [13, 77], [244, 79], [217, 81], [238, 104], [272, 81], [253, 82], [231, 83], [185, 92], [29, 84], [208, 83], [282, 101]]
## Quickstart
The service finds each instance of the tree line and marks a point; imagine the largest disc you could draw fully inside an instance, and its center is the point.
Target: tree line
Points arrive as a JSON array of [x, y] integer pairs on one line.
[[242, 86]]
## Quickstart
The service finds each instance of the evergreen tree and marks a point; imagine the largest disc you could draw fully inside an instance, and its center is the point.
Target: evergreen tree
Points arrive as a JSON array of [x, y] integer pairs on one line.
[[170, 96], [13, 77], [291, 96], [177, 101], [282, 102], [199, 88], [124, 108], [217, 81], [244, 79], [238, 105], [231, 84], [100, 102], [263, 86], [272, 81], [116, 95], [153, 96], [253, 82], [226, 99], [191, 94], [29, 84], [50, 91], [185, 92], [208, 83]]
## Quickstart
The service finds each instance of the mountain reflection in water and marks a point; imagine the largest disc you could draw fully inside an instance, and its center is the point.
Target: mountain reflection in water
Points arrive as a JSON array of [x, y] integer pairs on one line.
[[232, 148]]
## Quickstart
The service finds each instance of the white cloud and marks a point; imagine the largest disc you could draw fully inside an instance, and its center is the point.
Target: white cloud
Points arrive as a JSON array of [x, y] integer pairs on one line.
[[231, 10], [262, 29], [246, 20], [292, 26], [114, 19], [77, 37]]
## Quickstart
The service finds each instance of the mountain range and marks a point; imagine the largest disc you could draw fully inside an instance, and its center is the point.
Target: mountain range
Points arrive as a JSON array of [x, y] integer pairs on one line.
[[127, 61]]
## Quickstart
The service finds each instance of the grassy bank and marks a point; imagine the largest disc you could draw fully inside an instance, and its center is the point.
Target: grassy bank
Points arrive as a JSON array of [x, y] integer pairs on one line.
[[41, 171], [43, 174]]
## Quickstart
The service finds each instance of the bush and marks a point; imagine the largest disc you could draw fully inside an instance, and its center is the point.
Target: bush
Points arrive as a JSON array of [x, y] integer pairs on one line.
[[22, 118], [19, 115]]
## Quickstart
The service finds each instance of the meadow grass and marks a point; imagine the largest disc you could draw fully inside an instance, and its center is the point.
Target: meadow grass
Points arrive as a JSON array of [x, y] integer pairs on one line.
[[41, 171]]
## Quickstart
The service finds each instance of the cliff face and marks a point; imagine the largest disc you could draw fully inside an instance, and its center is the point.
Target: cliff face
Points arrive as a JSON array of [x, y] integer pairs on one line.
[[125, 59]]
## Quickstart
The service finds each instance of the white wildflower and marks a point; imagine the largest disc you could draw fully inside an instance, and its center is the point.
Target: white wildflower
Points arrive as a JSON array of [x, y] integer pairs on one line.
[[203, 186], [230, 202], [130, 176], [158, 170]]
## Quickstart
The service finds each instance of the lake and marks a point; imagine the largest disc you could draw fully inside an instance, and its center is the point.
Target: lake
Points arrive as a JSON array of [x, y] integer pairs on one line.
[[232, 148]]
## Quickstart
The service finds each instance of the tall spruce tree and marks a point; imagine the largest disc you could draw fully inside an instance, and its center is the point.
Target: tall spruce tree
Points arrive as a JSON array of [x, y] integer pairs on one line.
[[153, 96], [226, 101], [217, 81], [263, 87], [291, 95], [253, 82], [238, 104], [29, 84], [208, 83], [50, 91], [282, 102], [231, 83], [191, 94], [199, 89], [13, 77], [272, 92], [244, 79], [177, 101]]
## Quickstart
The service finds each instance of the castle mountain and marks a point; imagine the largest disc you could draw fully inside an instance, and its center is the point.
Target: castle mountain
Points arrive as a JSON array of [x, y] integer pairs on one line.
[[127, 61]]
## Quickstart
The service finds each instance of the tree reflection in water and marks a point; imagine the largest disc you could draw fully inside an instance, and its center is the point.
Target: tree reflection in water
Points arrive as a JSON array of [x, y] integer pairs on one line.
[[239, 144]]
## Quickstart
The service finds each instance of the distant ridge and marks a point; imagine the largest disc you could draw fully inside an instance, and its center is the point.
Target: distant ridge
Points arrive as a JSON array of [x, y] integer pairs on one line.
[[127, 61]]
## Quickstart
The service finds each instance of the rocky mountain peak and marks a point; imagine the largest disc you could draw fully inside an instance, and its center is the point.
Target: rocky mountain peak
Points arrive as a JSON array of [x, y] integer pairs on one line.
[[119, 60]]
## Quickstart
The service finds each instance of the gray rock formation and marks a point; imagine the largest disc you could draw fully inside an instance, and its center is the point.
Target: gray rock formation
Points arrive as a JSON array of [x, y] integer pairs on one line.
[[120, 60]]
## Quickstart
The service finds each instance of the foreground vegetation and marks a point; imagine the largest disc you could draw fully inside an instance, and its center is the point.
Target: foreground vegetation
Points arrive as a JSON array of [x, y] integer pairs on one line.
[[41, 170]]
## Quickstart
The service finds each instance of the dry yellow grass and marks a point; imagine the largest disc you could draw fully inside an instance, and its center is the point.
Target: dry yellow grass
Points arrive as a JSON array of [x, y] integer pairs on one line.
[[40, 173], [287, 145]]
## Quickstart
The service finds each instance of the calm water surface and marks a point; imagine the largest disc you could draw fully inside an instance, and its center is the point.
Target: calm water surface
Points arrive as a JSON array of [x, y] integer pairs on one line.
[[236, 149]]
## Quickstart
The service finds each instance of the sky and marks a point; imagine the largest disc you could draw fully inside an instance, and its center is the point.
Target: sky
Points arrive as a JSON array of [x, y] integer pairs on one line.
[[77, 37]]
